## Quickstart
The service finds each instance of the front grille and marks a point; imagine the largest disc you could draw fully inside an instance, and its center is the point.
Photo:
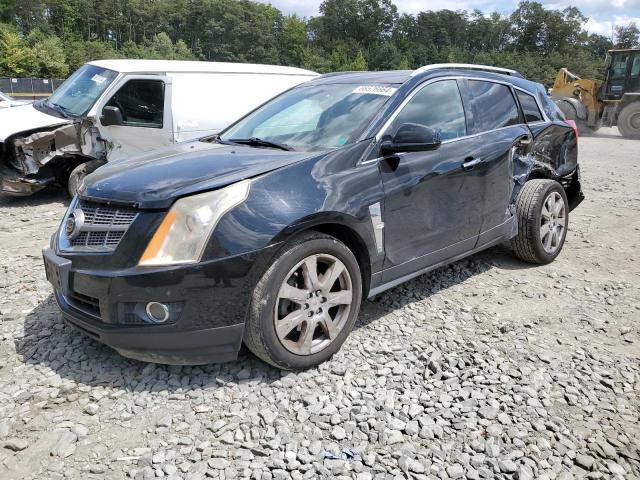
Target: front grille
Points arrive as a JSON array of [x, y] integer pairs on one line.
[[101, 229], [98, 239], [84, 303], [100, 215]]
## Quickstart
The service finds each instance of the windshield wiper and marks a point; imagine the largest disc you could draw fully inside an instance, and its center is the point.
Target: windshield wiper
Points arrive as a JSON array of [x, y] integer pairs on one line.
[[216, 139], [58, 108], [259, 142]]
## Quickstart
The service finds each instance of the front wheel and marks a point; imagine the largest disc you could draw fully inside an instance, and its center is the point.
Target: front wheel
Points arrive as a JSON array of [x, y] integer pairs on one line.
[[305, 304], [543, 219], [77, 175]]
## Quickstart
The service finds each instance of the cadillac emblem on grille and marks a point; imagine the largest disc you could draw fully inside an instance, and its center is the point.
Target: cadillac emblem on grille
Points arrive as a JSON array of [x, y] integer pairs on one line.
[[74, 224]]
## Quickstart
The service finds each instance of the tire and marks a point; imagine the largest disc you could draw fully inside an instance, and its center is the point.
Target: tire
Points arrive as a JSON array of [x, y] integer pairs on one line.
[[531, 244], [77, 175], [629, 121], [269, 305]]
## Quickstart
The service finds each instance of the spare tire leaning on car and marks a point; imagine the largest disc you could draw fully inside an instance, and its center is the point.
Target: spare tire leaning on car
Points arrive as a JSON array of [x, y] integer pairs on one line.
[[77, 175]]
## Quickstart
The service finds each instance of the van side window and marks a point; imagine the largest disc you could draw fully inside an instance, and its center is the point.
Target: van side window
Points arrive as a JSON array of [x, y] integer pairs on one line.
[[141, 103], [438, 106], [529, 107], [494, 105]]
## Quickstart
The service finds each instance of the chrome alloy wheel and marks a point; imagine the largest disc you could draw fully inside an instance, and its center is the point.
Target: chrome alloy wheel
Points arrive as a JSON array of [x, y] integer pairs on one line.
[[313, 304], [552, 222]]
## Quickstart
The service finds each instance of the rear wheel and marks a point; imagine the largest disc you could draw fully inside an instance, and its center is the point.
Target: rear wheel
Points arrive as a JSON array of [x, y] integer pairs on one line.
[[629, 121], [543, 218], [305, 304]]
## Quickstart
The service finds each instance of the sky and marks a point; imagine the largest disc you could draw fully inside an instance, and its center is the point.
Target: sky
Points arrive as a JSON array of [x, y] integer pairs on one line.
[[603, 14]]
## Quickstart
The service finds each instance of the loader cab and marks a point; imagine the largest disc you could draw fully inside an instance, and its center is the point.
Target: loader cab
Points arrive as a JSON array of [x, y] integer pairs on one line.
[[622, 74]]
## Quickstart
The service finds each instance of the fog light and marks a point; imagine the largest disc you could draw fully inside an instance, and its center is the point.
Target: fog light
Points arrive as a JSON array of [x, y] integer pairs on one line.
[[158, 312]]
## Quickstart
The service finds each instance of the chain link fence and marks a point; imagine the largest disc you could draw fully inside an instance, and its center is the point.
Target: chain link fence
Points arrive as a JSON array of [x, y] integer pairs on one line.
[[29, 88]]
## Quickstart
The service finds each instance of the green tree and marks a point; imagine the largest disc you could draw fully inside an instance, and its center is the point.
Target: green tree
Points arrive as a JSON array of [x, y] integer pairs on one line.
[[16, 59], [627, 36], [293, 41], [50, 58]]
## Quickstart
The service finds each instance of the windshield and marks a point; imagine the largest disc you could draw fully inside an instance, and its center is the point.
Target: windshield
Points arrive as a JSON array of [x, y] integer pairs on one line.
[[314, 117], [80, 91]]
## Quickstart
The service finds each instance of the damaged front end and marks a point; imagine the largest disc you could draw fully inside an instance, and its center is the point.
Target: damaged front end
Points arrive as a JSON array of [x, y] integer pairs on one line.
[[30, 161]]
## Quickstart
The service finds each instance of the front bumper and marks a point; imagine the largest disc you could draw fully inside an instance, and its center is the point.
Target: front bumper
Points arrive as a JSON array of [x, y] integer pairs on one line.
[[208, 303]]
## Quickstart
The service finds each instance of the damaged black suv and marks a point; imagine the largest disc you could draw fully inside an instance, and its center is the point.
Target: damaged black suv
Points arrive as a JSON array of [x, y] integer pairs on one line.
[[273, 232]]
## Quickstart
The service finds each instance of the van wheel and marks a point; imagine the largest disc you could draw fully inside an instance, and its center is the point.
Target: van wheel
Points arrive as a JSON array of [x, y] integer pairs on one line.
[[77, 175], [305, 304], [543, 219], [629, 121]]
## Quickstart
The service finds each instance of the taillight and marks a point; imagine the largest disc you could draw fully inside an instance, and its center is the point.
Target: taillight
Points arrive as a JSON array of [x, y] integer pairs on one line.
[[573, 125]]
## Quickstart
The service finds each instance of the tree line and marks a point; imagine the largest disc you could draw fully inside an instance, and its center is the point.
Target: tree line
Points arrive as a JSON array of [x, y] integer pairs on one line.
[[52, 38]]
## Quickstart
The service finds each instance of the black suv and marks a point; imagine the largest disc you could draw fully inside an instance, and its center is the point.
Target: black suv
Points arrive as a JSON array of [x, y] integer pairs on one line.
[[273, 232]]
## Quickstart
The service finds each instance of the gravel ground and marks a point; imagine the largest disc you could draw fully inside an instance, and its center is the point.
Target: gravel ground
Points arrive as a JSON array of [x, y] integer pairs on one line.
[[488, 368]]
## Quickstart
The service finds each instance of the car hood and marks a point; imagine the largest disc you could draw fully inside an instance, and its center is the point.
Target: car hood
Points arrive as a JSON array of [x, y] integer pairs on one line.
[[23, 118], [155, 179]]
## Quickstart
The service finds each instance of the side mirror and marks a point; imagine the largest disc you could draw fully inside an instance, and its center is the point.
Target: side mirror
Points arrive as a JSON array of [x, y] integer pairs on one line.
[[111, 116], [412, 137]]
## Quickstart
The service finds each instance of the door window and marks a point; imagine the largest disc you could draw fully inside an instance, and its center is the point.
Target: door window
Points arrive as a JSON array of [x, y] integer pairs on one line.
[[438, 106], [635, 66], [141, 103], [494, 105], [529, 107], [619, 66]]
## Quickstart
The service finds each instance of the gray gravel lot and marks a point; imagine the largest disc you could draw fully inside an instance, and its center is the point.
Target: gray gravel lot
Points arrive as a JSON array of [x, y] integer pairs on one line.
[[488, 368]]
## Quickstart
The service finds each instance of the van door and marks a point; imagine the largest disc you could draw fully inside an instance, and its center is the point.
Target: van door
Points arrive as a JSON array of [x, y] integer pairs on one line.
[[144, 102]]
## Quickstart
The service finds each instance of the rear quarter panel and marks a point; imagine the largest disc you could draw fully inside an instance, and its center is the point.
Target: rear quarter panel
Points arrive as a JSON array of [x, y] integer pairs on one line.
[[555, 149]]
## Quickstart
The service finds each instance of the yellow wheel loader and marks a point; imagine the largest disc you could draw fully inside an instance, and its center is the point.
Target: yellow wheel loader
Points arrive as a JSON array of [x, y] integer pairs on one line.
[[595, 103]]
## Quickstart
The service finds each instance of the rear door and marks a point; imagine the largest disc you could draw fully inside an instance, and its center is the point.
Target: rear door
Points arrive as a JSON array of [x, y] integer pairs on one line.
[[501, 136], [145, 104], [431, 200]]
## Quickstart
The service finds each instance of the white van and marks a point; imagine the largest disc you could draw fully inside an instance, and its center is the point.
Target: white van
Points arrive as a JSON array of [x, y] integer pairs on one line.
[[112, 109]]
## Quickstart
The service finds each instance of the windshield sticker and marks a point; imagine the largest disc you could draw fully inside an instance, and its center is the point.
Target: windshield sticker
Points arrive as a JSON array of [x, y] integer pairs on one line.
[[376, 90], [99, 79]]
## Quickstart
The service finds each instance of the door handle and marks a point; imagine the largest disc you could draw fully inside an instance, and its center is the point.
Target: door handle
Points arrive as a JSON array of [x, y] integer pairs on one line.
[[469, 163]]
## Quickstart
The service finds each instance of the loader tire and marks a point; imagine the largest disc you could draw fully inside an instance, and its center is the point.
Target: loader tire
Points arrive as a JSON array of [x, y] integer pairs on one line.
[[629, 121]]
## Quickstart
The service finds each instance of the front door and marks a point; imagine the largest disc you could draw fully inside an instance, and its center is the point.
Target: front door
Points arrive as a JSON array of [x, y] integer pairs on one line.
[[145, 104], [431, 210]]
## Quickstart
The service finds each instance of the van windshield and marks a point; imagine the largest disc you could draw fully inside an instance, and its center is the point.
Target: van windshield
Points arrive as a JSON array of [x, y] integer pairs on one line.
[[313, 117], [79, 92]]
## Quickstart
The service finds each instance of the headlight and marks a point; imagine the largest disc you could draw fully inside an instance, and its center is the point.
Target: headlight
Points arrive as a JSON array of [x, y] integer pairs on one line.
[[183, 234]]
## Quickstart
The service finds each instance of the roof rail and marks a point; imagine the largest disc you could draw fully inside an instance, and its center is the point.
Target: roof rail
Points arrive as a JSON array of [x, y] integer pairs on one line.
[[466, 66]]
